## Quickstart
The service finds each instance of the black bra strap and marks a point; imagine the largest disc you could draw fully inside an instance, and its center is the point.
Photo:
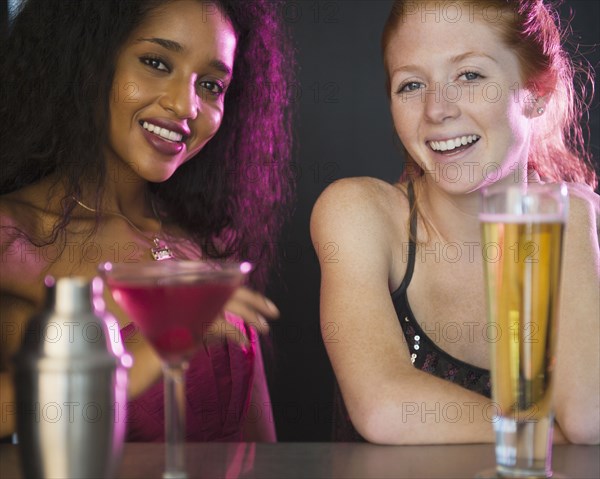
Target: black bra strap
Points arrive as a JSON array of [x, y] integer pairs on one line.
[[412, 245]]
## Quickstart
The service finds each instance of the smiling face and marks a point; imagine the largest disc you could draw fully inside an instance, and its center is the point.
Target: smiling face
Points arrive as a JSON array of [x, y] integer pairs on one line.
[[458, 100], [169, 88]]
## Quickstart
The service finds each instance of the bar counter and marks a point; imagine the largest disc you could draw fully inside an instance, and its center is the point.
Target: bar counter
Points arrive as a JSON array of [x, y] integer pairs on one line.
[[325, 460]]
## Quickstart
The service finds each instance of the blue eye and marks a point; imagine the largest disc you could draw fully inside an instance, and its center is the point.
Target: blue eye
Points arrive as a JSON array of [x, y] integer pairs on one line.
[[470, 76], [409, 87]]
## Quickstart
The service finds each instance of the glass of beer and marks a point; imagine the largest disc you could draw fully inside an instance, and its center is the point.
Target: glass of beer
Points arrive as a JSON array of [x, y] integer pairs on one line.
[[522, 227]]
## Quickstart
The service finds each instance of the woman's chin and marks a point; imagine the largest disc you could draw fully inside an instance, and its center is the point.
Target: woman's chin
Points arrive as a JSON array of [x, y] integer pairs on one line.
[[157, 175]]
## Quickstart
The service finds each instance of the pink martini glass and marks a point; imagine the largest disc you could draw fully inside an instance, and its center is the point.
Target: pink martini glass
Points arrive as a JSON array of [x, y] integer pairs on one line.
[[173, 303]]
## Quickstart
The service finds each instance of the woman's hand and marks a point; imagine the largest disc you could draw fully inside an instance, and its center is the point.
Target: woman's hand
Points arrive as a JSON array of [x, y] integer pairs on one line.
[[252, 308]]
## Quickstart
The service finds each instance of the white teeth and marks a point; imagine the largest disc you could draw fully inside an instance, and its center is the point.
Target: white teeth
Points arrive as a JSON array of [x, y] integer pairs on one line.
[[162, 132], [452, 143]]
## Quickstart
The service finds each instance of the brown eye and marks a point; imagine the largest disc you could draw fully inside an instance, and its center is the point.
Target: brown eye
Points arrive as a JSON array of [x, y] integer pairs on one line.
[[155, 63], [212, 87]]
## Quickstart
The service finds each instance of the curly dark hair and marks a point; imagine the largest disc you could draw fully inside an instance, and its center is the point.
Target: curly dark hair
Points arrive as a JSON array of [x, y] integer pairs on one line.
[[56, 69]]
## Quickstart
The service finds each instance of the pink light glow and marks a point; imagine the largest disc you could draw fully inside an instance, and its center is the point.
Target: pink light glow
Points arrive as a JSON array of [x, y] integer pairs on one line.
[[245, 267]]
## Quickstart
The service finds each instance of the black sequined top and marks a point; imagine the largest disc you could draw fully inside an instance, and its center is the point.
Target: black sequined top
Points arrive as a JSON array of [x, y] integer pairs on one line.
[[425, 354]]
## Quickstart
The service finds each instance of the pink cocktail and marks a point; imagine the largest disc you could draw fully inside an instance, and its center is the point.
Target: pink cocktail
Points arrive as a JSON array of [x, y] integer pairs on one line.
[[173, 303], [190, 306]]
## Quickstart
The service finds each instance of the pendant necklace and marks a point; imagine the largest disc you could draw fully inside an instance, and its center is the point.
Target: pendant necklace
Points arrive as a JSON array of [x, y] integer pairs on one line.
[[160, 251]]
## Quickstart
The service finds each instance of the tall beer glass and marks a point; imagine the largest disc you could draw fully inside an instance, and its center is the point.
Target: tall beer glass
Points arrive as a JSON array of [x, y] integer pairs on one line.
[[522, 227]]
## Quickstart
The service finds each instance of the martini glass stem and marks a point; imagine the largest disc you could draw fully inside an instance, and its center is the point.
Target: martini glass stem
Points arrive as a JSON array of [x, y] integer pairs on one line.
[[174, 378]]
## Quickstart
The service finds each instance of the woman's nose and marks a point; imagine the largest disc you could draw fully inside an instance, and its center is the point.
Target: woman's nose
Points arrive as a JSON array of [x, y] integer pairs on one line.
[[441, 103], [181, 98]]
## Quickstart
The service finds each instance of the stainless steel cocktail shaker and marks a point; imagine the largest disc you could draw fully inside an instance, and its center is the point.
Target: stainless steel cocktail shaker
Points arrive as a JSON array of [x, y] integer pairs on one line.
[[70, 378]]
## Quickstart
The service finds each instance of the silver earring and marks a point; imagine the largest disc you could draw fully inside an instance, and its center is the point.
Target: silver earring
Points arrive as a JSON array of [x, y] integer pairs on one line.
[[540, 110]]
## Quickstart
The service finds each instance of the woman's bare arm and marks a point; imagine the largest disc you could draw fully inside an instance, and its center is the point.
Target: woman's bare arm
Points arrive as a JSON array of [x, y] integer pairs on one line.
[[389, 401], [577, 384]]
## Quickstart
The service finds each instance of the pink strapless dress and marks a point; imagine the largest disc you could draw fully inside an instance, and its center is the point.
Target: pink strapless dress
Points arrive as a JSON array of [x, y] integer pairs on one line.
[[218, 388]]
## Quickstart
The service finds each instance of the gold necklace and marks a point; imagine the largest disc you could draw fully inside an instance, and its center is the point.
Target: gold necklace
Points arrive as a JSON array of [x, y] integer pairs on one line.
[[160, 251]]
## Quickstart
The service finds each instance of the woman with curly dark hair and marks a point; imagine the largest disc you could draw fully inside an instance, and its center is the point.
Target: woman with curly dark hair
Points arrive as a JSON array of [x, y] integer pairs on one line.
[[140, 128]]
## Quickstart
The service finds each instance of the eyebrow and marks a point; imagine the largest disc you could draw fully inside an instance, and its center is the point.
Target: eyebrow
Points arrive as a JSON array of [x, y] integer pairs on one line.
[[178, 48], [168, 44], [454, 59], [221, 66], [463, 56]]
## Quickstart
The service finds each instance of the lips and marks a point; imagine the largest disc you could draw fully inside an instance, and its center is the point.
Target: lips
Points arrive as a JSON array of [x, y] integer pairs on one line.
[[165, 136]]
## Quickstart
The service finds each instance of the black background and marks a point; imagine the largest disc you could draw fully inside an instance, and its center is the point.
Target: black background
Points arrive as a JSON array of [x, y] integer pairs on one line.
[[343, 129]]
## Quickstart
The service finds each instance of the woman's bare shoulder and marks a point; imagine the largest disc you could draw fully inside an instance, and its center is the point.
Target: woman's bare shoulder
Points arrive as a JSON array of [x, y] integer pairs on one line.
[[13, 226], [21, 290], [31, 207], [584, 208], [366, 185], [365, 199], [364, 220], [24, 222], [581, 192]]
